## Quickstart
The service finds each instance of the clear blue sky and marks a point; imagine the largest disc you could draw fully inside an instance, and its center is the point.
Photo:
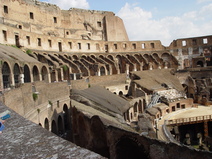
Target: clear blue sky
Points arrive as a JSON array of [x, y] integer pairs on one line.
[[163, 20]]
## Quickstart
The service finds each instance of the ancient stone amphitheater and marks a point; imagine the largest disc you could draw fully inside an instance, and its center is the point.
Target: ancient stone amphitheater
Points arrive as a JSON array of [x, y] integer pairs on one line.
[[73, 76]]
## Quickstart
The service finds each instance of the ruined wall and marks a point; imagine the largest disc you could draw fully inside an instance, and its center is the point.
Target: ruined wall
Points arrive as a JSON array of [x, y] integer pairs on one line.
[[186, 49], [119, 143], [21, 99], [48, 19], [98, 80]]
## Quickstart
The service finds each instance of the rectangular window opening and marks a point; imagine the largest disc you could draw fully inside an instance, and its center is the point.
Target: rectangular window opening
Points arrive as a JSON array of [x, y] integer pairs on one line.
[[89, 46], [31, 15], [60, 46], [79, 46], [50, 43], [28, 40], [205, 41], [115, 46], [70, 45], [183, 43], [4, 34], [55, 19], [134, 46], [6, 9], [99, 24], [143, 46], [39, 41], [152, 45], [124, 46], [106, 48]]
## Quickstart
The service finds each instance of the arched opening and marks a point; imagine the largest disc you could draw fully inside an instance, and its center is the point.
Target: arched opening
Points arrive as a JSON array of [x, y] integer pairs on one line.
[[16, 72], [59, 75], [120, 93], [66, 117], [54, 127], [127, 148], [60, 126], [46, 124], [65, 72], [99, 142], [6, 75], [140, 107], [35, 73], [200, 64], [27, 78], [102, 71], [44, 74], [53, 76]]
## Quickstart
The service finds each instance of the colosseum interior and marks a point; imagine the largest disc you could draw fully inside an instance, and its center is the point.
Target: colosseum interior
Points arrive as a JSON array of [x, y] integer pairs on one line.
[[76, 87]]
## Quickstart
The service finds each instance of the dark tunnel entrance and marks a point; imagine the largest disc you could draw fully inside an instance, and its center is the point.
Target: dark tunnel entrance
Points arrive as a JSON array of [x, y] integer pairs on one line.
[[128, 149]]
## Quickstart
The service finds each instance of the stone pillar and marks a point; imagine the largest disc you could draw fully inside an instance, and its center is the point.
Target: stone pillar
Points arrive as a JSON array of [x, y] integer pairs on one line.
[[40, 77], [56, 75], [21, 78], [135, 68], [49, 77], [12, 79], [31, 76], [75, 77], [127, 69], [99, 72]]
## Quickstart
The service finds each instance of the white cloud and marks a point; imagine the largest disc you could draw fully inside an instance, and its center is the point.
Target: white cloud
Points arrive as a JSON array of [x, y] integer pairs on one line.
[[141, 25], [67, 4]]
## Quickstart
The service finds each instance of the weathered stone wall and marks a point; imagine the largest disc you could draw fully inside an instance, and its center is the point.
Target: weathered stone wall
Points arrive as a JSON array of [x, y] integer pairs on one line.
[[119, 143], [99, 80], [21, 99], [44, 18]]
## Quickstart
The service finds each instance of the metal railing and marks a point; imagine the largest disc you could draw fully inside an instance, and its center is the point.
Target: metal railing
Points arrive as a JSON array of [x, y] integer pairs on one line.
[[190, 119]]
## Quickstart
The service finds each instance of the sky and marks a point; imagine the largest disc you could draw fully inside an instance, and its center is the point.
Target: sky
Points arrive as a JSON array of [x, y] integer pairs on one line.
[[164, 20]]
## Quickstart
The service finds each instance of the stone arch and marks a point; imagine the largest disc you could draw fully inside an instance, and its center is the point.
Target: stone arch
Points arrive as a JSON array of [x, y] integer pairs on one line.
[[66, 117], [35, 73], [99, 142], [54, 127], [120, 93], [46, 124], [60, 125], [110, 57], [6, 75], [92, 56], [65, 72], [16, 73], [127, 147], [166, 60], [75, 57], [27, 73], [102, 71], [44, 74]]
